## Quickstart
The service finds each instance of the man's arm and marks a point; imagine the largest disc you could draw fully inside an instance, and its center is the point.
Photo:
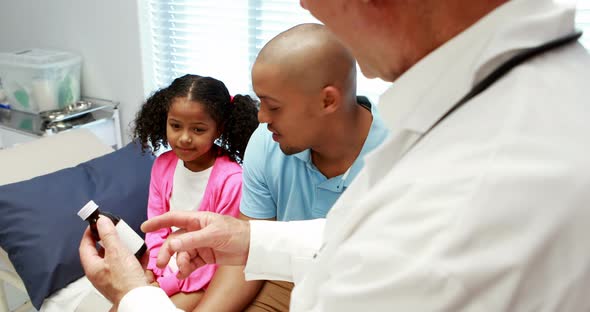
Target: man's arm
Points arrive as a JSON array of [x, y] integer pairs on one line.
[[229, 280], [210, 238], [283, 250], [268, 248]]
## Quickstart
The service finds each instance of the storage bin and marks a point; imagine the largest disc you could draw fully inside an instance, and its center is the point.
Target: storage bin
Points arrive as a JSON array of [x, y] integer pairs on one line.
[[38, 80]]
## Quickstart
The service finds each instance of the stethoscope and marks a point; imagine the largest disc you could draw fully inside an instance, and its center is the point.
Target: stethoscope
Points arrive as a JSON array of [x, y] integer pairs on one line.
[[490, 79], [502, 70]]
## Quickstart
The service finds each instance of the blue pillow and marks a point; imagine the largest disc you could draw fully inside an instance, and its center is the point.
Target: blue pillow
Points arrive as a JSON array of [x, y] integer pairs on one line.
[[39, 226]]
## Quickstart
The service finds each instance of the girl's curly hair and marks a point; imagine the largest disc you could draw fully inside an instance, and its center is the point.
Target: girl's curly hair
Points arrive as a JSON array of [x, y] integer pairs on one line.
[[237, 118]]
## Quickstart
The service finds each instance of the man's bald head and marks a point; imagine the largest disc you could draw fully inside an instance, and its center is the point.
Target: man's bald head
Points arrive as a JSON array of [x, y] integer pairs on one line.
[[311, 57]]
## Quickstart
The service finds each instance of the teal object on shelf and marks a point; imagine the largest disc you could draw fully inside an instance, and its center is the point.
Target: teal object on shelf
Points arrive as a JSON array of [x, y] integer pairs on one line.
[[22, 97], [26, 124], [65, 93]]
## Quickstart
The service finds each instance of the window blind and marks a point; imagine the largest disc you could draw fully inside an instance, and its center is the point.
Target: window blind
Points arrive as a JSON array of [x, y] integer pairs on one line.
[[221, 38], [206, 37]]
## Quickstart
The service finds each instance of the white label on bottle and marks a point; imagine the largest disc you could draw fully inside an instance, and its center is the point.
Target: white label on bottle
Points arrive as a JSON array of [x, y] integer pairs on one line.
[[129, 237]]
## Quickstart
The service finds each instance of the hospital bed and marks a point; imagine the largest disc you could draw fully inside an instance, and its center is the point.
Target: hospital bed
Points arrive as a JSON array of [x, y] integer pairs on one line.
[[37, 158]]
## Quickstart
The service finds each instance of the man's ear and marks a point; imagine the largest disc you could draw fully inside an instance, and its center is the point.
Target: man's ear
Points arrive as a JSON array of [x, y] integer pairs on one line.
[[331, 99]]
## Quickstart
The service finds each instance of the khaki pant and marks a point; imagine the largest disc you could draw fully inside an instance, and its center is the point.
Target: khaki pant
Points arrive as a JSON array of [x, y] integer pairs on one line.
[[274, 296]]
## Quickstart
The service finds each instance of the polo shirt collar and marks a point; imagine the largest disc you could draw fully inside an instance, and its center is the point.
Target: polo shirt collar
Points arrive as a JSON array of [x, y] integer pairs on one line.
[[375, 136]]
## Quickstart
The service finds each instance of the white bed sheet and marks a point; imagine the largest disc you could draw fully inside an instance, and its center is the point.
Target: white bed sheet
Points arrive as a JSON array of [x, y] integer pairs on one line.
[[78, 296]]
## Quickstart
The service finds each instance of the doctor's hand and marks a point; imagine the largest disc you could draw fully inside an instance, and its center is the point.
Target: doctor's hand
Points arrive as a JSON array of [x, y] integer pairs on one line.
[[118, 272], [209, 238]]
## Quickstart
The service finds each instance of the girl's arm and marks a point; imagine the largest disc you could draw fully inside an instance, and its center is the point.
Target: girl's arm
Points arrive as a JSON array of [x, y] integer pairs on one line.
[[231, 194], [156, 207]]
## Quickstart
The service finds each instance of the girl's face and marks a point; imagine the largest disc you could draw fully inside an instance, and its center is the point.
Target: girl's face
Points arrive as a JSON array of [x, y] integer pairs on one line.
[[191, 132]]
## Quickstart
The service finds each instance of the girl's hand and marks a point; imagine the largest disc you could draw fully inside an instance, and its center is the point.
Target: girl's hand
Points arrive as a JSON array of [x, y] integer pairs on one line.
[[145, 259], [149, 275]]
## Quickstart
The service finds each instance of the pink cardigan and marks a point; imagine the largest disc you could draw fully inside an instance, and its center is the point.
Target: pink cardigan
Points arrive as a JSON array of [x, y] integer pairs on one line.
[[222, 195]]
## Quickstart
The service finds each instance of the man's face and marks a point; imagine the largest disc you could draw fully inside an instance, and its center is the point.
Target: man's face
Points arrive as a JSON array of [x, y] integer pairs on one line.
[[291, 114]]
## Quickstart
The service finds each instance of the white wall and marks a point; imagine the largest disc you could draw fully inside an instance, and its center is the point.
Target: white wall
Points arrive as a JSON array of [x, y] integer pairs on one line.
[[105, 32]]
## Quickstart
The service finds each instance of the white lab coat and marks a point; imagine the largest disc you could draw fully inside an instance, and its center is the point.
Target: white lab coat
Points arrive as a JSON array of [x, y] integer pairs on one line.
[[491, 210], [488, 212]]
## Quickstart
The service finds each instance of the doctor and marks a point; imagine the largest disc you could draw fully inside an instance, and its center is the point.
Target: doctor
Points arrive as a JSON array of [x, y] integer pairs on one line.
[[479, 201]]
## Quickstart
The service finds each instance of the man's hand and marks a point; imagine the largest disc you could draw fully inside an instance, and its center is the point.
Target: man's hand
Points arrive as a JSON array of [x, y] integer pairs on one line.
[[209, 238], [118, 272]]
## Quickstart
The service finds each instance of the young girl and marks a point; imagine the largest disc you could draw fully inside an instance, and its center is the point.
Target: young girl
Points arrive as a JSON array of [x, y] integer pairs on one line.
[[207, 131]]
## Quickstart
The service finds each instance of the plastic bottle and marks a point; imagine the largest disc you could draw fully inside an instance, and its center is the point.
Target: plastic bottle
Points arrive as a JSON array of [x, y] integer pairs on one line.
[[134, 242]]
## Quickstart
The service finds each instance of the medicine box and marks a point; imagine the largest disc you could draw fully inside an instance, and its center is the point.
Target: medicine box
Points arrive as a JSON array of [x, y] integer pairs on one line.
[[38, 80]]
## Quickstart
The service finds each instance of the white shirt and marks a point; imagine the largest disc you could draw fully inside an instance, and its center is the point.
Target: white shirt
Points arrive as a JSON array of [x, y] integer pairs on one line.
[[188, 188], [489, 212]]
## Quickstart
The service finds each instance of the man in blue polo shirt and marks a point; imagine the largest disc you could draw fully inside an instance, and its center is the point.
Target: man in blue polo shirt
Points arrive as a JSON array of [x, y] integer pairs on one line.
[[286, 187], [309, 147]]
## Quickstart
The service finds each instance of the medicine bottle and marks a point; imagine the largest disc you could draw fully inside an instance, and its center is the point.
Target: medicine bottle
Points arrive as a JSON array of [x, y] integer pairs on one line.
[[134, 242]]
